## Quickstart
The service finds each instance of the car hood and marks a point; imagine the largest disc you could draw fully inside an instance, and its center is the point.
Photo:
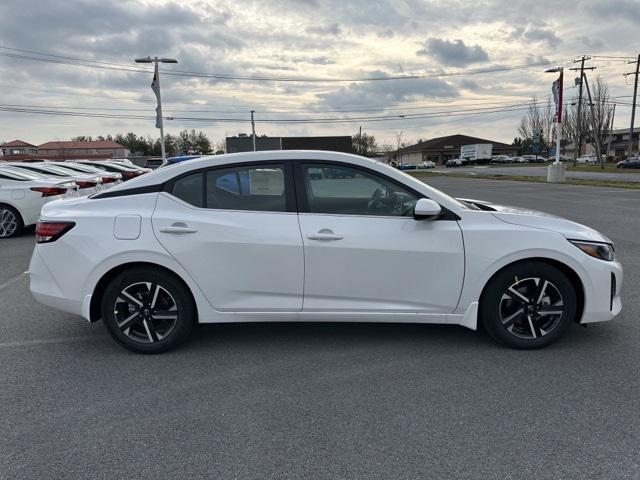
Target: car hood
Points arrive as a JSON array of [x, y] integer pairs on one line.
[[541, 220]]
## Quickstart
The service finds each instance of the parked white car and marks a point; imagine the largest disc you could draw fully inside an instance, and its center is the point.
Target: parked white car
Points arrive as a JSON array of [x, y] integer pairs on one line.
[[127, 171], [587, 159], [22, 196], [109, 179], [454, 162], [88, 183], [501, 159], [427, 164], [262, 236]]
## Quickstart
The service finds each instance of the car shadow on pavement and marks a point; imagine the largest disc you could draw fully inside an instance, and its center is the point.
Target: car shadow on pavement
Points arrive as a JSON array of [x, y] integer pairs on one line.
[[318, 334]]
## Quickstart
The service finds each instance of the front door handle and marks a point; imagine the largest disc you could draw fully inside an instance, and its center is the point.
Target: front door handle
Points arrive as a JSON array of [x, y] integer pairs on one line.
[[324, 234], [178, 227]]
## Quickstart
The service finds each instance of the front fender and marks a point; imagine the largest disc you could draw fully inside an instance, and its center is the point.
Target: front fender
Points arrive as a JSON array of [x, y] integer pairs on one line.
[[492, 245]]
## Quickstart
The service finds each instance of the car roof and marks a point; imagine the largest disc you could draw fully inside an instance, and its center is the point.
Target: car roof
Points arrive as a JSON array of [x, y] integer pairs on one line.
[[169, 172]]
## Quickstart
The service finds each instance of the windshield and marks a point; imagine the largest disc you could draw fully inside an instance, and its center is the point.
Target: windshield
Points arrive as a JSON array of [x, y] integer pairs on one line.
[[80, 168], [62, 170], [22, 173]]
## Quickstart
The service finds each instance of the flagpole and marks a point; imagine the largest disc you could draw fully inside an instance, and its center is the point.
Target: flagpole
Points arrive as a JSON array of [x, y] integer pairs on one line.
[[155, 86]]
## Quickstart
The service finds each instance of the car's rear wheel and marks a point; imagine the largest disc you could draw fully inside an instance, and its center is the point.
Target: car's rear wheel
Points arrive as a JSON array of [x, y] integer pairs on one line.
[[528, 305], [147, 310], [11, 224]]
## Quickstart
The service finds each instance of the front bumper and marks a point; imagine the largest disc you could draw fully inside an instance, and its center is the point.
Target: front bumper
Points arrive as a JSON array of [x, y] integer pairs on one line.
[[602, 291]]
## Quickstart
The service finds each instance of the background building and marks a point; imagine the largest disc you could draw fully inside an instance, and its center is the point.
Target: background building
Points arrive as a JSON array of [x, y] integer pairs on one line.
[[108, 148], [441, 149], [18, 147], [244, 143], [615, 145], [65, 150]]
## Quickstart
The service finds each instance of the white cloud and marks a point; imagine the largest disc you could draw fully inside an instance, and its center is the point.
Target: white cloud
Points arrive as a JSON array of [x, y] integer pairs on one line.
[[300, 38], [454, 53]]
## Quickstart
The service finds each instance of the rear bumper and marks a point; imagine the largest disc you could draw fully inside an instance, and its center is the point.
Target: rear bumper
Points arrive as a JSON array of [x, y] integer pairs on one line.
[[46, 290]]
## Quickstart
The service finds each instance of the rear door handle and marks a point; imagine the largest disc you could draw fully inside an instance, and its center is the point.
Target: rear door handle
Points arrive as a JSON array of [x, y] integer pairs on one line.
[[324, 234], [178, 228]]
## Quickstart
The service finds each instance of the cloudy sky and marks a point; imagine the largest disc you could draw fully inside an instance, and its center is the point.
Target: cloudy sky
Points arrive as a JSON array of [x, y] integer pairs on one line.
[[478, 62]]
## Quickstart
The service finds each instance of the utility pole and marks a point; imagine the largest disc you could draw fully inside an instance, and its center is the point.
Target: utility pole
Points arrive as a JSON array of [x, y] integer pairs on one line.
[[360, 141], [596, 137], [155, 86], [577, 151], [633, 107], [253, 130]]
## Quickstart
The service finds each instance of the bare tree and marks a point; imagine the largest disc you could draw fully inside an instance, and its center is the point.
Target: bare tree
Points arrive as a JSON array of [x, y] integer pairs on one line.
[[602, 110], [538, 121], [221, 146], [548, 117], [575, 128], [387, 147]]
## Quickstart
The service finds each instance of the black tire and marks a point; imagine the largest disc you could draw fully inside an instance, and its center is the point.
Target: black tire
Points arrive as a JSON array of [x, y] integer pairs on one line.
[[162, 316], [549, 310], [17, 225]]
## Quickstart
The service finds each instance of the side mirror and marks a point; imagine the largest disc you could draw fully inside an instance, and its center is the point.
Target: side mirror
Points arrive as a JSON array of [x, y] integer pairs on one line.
[[426, 208]]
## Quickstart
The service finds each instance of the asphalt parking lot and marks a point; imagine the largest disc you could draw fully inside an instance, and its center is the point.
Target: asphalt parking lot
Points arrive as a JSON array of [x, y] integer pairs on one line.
[[258, 401]]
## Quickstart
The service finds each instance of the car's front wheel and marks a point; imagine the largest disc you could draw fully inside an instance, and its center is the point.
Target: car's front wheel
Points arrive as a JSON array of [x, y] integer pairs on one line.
[[148, 310], [528, 305]]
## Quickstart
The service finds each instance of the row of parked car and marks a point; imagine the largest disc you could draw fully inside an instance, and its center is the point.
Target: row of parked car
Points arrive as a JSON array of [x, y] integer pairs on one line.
[[27, 185], [412, 166]]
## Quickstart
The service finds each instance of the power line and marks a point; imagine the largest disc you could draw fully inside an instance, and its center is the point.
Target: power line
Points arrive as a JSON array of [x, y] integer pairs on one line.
[[346, 109], [440, 114], [311, 110], [80, 62], [244, 111]]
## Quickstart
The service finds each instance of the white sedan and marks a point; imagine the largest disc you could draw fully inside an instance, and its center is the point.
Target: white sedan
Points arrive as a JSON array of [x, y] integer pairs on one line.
[[22, 195], [262, 236], [427, 164], [88, 183]]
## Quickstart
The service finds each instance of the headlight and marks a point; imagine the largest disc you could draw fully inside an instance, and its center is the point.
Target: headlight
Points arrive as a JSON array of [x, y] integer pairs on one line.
[[602, 251]]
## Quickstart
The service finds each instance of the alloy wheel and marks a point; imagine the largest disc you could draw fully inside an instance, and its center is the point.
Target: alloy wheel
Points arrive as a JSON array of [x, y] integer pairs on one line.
[[146, 312], [531, 308], [8, 223]]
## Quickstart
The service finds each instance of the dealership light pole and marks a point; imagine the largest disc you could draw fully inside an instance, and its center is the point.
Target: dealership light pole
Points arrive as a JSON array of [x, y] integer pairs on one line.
[[155, 86]]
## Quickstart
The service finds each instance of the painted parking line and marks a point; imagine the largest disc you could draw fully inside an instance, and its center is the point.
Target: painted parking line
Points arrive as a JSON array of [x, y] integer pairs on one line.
[[49, 341], [13, 280]]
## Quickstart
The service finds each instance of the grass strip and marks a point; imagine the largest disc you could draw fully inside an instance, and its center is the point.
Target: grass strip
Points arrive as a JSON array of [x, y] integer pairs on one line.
[[526, 178]]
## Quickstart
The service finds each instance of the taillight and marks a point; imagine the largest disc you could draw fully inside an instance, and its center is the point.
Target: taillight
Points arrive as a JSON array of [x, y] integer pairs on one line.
[[50, 191], [85, 183], [108, 180], [129, 175], [51, 231]]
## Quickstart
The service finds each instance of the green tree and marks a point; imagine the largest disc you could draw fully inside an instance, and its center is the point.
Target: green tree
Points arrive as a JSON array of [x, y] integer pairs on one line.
[[190, 142], [364, 144]]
